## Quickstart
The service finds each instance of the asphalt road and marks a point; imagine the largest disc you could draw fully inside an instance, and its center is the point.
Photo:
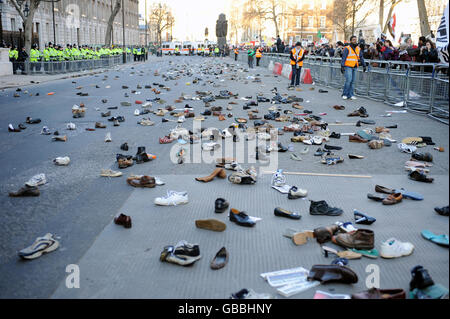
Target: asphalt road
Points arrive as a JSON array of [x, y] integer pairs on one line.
[[78, 205]]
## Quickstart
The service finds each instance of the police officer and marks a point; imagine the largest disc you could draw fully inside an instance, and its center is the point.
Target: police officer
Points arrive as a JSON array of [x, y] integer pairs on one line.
[[13, 56], [236, 53], [258, 56], [34, 58]]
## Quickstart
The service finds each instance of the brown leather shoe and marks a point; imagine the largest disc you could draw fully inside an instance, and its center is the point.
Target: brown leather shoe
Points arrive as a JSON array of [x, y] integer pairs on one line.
[[339, 107], [324, 234], [332, 273], [375, 293], [26, 191], [360, 239], [357, 139], [220, 172], [123, 220], [382, 189], [124, 163], [144, 181], [216, 113], [393, 199], [222, 117]]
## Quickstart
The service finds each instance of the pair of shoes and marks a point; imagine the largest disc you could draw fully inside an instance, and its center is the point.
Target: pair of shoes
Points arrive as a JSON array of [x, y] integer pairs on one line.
[[184, 254], [173, 198]]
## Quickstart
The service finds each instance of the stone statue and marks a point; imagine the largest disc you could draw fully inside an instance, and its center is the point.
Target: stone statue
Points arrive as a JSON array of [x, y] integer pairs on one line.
[[221, 31]]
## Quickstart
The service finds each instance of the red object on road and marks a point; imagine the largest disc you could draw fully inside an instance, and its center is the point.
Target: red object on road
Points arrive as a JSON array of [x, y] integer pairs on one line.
[[138, 102], [307, 79], [278, 68]]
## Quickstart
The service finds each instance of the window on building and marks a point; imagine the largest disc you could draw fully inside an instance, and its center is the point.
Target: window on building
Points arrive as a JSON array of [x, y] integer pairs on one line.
[[311, 22], [322, 22], [13, 24], [310, 38], [324, 5], [298, 22]]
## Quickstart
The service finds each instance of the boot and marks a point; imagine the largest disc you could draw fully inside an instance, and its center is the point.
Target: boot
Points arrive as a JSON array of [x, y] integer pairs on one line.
[[220, 172], [124, 147], [141, 155]]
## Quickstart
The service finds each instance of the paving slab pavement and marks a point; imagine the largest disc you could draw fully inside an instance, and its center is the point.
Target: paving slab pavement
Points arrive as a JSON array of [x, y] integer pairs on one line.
[[79, 206]]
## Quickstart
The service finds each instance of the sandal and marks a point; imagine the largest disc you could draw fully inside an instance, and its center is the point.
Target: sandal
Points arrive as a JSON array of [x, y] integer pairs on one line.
[[361, 218], [437, 239], [348, 254]]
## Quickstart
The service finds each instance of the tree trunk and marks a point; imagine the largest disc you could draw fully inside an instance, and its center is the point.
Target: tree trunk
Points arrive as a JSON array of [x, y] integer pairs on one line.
[[381, 13], [109, 28], [423, 17]]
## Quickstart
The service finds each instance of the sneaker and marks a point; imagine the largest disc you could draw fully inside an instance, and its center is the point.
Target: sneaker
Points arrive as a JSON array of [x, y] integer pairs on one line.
[[393, 248], [71, 126], [185, 249], [278, 179], [36, 180], [344, 97], [110, 173], [40, 246], [108, 138], [353, 98], [45, 131], [172, 198], [136, 112], [62, 161], [11, 128], [295, 192], [168, 255]]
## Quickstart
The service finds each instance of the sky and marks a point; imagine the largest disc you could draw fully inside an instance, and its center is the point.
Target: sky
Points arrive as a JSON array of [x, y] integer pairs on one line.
[[192, 17]]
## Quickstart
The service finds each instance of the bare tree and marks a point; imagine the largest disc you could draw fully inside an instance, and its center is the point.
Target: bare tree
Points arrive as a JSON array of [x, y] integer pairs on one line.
[[162, 18], [423, 17], [109, 28], [275, 11], [381, 13], [256, 10], [344, 15], [235, 25], [27, 20]]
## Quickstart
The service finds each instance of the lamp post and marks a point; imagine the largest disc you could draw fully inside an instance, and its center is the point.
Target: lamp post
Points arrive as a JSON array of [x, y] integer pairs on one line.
[[124, 55], [1, 23]]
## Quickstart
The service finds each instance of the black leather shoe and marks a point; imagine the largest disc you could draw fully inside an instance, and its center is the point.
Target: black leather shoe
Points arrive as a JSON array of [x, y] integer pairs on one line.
[[124, 147], [420, 177], [240, 218], [420, 278], [330, 147], [121, 119], [285, 213], [206, 112], [221, 205], [335, 135], [444, 211], [426, 157], [322, 208]]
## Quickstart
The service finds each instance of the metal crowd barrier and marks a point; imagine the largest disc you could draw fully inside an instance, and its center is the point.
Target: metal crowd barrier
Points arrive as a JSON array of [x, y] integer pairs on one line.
[[417, 87], [57, 67]]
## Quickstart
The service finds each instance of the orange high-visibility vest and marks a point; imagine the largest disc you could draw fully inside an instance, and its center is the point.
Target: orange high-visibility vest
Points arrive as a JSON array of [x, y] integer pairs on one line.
[[258, 54], [300, 63], [236, 51], [352, 58]]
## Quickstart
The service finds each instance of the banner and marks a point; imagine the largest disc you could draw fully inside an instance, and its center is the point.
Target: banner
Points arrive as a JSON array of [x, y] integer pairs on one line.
[[442, 37], [391, 26]]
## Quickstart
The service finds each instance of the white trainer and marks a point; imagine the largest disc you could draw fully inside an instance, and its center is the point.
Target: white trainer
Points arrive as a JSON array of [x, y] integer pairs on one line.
[[344, 97], [37, 180], [136, 112], [108, 137], [353, 98], [172, 198], [393, 248], [62, 161]]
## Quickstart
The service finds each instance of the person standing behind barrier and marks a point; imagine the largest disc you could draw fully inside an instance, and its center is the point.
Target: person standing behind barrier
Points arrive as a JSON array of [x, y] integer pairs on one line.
[[251, 54], [297, 56], [236, 54], [13, 56], [351, 56], [23, 56], [34, 57], [258, 56]]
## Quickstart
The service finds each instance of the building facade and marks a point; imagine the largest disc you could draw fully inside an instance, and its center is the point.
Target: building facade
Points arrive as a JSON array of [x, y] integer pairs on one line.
[[81, 22]]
